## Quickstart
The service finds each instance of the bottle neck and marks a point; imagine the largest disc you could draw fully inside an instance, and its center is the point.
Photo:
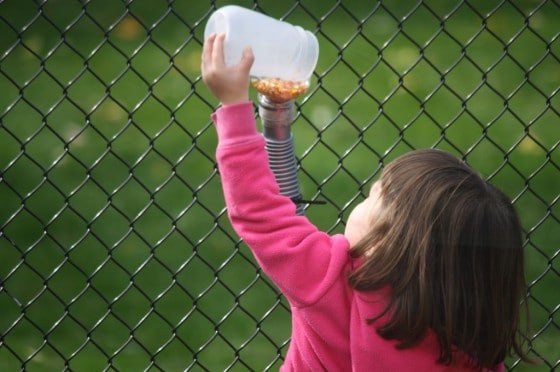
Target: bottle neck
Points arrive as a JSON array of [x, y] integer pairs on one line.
[[277, 117]]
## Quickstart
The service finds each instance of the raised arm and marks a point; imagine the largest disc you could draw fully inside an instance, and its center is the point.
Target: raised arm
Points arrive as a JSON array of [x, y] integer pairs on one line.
[[303, 261]]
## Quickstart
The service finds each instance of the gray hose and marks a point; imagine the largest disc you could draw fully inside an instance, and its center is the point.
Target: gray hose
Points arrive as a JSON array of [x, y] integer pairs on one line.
[[277, 118]]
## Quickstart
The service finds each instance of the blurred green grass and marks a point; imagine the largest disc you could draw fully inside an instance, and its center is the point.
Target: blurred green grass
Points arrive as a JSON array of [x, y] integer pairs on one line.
[[115, 247]]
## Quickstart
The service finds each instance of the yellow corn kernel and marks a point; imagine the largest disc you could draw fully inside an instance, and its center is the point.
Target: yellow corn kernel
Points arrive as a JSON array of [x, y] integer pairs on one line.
[[278, 89]]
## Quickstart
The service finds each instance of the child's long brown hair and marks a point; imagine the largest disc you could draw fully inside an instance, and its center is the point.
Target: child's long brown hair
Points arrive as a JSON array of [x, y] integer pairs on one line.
[[449, 246]]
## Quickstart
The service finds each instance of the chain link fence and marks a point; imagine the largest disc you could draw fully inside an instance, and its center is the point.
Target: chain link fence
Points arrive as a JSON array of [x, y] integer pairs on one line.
[[115, 251]]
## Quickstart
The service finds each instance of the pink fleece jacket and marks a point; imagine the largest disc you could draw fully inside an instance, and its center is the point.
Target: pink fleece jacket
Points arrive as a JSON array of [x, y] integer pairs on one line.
[[329, 327]]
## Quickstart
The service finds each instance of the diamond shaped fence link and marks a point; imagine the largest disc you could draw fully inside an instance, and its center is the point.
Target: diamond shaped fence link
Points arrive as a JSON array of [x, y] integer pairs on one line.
[[115, 251]]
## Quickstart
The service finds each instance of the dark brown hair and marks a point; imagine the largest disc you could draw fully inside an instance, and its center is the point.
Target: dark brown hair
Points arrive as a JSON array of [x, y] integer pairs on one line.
[[449, 246]]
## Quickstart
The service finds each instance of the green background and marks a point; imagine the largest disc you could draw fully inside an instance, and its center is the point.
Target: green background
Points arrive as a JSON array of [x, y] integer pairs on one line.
[[115, 250]]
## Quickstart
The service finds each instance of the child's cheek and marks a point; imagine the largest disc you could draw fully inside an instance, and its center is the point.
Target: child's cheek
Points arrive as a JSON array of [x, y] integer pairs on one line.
[[357, 224]]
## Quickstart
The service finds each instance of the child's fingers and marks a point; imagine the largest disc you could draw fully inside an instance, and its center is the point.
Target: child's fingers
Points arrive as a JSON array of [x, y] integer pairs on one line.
[[218, 51], [207, 51]]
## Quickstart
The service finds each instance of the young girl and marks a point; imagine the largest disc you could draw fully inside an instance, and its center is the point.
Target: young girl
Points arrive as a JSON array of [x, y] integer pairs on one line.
[[428, 275]]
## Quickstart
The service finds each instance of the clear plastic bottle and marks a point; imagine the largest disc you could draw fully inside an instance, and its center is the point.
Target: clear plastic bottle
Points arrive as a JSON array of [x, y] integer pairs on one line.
[[285, 55]]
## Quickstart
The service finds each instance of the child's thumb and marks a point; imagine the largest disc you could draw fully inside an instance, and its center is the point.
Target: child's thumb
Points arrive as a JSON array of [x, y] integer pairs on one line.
[[247, 59]]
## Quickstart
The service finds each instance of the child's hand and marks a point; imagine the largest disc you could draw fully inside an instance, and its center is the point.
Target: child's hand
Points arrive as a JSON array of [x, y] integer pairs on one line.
[[230, 84]]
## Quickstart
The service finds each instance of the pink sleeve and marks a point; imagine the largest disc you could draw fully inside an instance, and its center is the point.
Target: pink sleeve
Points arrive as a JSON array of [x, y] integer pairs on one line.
[[500, 368], [303, 261]]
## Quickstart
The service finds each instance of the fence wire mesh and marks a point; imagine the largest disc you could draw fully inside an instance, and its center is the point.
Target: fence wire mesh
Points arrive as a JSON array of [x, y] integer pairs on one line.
[[115, 252]]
